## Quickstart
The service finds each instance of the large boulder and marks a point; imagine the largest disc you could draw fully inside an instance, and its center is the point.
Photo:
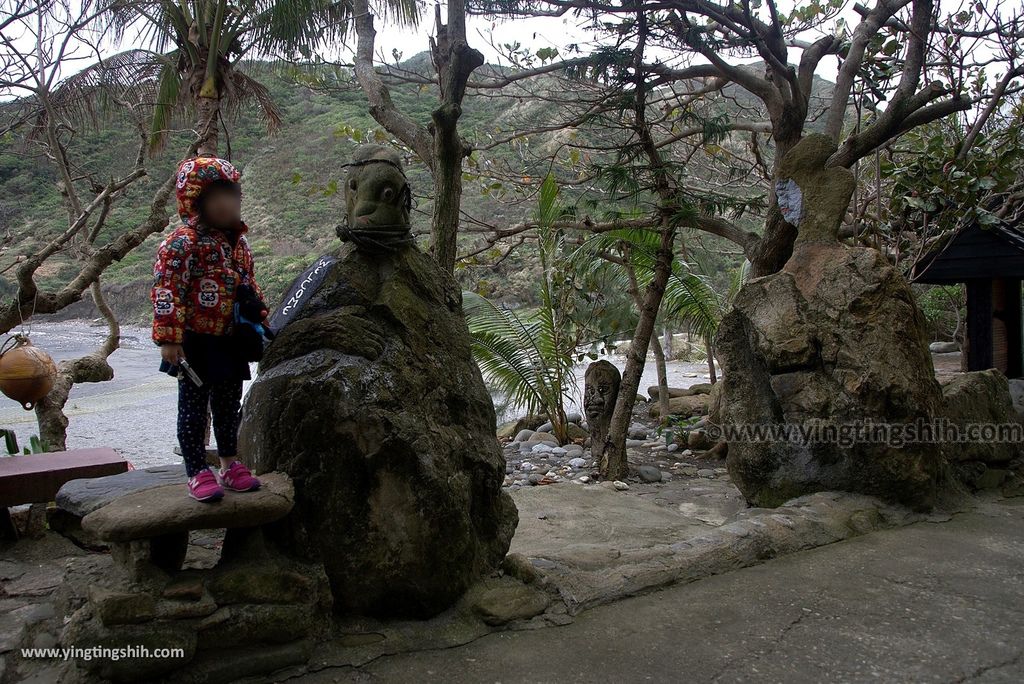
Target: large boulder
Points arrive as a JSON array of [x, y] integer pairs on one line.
[[980, 402], [834, 340], [692, 405], [371, 400]]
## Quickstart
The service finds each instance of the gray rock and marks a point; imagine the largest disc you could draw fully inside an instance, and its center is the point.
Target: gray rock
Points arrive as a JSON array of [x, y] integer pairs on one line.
[[705, 472], [83, 496], [499, 600], [524, 435], [1017, 395], [542, 437], [649, 473], [943, 347], [545, 427], [578, 462], [975, 398]]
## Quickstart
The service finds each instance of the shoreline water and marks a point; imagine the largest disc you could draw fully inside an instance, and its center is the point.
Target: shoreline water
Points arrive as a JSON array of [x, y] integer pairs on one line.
[[135, 413]]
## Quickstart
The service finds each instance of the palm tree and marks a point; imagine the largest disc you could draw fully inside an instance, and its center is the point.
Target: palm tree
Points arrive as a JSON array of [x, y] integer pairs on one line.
[[197, 45], [522, 358], [531, 359]]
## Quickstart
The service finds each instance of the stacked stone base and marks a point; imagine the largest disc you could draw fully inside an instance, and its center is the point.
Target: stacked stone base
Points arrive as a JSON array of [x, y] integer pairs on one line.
[[241, 618], [256, 611]]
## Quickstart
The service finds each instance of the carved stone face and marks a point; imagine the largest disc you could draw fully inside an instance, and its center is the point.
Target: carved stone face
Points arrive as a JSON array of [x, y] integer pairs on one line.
[[376, 192], [600, 389]]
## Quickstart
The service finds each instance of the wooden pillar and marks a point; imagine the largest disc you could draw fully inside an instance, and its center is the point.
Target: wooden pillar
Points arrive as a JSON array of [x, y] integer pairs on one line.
[[979, 324], [1006, 326]]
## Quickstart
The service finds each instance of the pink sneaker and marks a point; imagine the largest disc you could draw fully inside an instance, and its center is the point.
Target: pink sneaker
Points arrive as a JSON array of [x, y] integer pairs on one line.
[[238, 478], [203, 486]]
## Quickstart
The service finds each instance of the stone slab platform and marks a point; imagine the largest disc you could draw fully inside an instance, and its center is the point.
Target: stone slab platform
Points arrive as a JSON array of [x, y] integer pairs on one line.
[[167, 509], [83, 496]]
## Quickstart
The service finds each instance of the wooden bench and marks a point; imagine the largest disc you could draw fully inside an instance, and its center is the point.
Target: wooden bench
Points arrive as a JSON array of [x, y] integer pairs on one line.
[[35, 478]]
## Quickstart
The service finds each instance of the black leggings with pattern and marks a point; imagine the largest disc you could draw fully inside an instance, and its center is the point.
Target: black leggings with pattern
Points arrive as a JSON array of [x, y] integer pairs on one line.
[[224, 398]]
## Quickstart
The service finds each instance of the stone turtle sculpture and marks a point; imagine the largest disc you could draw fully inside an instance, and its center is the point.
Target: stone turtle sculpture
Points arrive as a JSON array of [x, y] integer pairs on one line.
[[371, 401]]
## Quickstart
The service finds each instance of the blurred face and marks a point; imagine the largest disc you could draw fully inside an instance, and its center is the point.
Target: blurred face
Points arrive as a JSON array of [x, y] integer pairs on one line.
[[222, 207]]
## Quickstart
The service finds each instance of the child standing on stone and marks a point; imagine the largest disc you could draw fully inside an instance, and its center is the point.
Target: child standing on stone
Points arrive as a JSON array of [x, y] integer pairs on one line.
[[198, 270]]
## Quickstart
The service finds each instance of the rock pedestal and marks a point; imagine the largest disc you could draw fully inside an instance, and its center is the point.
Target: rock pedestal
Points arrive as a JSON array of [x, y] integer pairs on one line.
[[371, 401], [256, 611], [832, 341]]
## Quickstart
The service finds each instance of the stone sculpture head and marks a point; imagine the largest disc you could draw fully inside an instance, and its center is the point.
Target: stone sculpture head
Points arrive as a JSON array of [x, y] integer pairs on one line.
[[378, 200], [600, 388], [812, 197]]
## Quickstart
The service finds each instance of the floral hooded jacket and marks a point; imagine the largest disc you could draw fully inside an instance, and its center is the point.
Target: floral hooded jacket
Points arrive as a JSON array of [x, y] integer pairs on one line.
[[198, 269]]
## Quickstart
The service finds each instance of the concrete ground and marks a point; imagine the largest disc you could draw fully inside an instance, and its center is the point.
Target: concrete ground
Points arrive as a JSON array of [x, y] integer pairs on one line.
[[930, 602]]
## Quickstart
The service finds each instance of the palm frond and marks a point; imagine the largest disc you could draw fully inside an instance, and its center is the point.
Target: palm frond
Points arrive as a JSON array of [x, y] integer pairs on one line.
[[117, 87], [168, 102], [241, 90]]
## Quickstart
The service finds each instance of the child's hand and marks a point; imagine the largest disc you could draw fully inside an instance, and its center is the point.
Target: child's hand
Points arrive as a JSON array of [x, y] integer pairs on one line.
[[172, 353], [250, 305]]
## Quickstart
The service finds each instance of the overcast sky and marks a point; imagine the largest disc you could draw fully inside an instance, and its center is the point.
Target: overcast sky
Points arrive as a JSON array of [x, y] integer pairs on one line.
[[532, 33]]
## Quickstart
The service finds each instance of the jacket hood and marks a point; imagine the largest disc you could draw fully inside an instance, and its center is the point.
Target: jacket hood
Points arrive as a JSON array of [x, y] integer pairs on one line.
[[195, 175]]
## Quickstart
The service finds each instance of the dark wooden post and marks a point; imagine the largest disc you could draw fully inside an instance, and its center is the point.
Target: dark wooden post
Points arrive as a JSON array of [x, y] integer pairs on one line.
[[1006, 312], [979, 323]]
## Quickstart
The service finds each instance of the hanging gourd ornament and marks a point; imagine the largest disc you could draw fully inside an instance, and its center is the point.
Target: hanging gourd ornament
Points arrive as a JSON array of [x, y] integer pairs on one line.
[[27, 372]]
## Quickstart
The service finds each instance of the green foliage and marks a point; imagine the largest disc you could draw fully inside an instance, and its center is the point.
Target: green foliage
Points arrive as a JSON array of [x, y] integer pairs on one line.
[[530, 358], [36, 445], [689, 296], [945, 307], [927, 185]]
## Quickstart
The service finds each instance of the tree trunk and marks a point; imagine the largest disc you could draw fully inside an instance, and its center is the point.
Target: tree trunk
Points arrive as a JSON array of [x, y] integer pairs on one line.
[[449, 152], [454, 60], [711, 359], [613, 461], [207, 115], [773, 250], [659, 353]]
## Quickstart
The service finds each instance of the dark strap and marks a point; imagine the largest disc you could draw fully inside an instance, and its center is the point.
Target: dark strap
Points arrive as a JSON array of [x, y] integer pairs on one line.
[[375, 240], [364, 162]]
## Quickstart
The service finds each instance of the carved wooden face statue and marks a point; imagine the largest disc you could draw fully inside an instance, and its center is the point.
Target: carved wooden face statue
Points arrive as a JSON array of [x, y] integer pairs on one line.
[[600, 388], [377, 194]]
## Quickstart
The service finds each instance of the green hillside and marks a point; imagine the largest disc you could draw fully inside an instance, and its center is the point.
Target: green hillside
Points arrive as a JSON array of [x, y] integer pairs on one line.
[[290, 183]]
